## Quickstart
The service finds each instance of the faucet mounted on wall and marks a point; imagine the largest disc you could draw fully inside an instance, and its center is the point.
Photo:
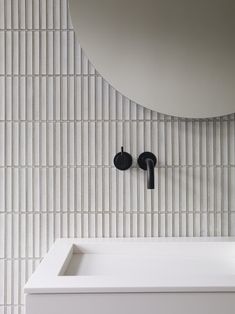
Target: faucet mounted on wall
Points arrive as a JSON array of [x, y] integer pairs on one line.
[[147, 161]]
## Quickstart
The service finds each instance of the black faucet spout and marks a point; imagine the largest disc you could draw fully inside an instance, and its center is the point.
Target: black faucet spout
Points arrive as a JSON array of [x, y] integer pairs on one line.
[[147, 161], [150, 173]]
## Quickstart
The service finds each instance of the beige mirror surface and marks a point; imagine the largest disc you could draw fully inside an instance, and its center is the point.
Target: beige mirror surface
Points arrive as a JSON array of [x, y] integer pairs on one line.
[[173, 56]]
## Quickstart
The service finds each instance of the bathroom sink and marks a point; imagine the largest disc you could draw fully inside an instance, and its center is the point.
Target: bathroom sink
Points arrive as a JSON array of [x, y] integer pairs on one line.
[[135, 276]]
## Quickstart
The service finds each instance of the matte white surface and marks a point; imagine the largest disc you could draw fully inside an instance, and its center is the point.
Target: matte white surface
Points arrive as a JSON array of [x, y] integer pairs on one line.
[[136, 265], [172, 56], [141, 264], [131, 303]]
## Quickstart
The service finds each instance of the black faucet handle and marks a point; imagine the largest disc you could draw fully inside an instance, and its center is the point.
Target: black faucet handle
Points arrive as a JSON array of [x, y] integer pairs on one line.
[[122, 160]]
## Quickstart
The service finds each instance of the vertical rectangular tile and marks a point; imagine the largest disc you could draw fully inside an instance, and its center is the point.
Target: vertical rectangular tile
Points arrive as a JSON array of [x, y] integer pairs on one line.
[[61, 125]]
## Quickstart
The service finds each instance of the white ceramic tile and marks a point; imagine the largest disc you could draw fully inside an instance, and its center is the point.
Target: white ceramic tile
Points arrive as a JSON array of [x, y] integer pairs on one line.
[[2, 11], [64, 125], [2, 52]]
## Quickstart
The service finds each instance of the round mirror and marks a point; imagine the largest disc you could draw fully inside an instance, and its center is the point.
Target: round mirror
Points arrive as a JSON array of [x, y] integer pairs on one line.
[[173, 56]]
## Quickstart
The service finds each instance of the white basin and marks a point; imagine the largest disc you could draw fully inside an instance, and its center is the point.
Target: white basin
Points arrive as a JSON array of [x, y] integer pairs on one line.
[[105, 276]]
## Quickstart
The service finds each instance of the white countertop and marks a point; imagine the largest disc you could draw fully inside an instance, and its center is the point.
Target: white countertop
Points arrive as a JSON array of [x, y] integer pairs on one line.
[[136, 265]]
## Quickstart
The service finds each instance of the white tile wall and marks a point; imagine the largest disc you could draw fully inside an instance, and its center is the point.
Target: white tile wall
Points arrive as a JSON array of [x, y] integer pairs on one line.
[[60, 127]]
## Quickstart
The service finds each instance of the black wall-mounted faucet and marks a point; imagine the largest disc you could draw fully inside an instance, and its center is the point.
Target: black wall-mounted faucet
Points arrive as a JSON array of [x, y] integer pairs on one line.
[[122, 160], [147, 161]]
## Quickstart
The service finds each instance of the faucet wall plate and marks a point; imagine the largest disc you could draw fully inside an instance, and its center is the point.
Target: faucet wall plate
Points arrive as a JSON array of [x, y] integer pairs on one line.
[[142, 159], [122, 160]]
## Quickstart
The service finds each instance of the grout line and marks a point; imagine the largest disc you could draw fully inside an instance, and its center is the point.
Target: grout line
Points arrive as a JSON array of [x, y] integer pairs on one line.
[[138, 173], [194, 231], [5, 178], [200, 178], [11, 176], [19, 228], [126, 211], [215, 180], [33, 139], [117, 173], [124, 143], [207, 181], [47, 135], [40, 74], [26, 258], [145, 179], [93, 120], [82, 151], [26, 163], [37, 30], [111, 166], [68, 128], [131, 223], [222, 179], [173, 179], [11, 305], [54, 132], [108, 173], [229, 181], [96, 172], [165, 179], [61, 130], [89, 160], [186, 181], [40, 135], [159, 181], [75, 135], [180, 179]]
